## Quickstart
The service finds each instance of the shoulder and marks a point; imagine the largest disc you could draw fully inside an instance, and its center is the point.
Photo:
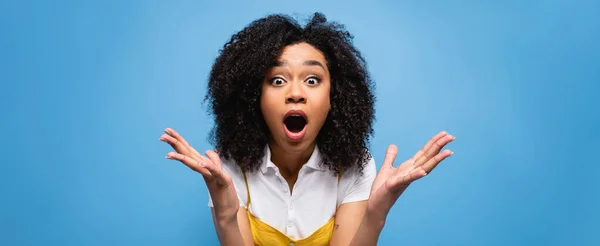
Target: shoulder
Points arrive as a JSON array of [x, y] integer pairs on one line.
[[355, 173], [370, 167], [230, 166], [356, 185]]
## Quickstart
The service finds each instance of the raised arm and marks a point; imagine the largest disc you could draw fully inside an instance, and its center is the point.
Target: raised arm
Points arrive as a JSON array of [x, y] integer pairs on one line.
[[228, 230], [231, 222], [361, 223]]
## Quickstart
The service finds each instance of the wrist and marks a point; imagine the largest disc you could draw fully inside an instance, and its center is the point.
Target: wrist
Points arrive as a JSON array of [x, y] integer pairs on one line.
[[374, 218]]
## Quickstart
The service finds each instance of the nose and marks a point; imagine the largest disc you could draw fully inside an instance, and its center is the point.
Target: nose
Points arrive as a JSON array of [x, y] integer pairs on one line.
[[296, 93]]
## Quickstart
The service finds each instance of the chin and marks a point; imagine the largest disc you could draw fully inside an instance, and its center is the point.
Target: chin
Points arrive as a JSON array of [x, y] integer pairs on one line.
[[295, 146]]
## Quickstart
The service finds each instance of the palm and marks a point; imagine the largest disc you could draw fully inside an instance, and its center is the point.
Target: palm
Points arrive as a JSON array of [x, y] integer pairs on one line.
[[391, 181]]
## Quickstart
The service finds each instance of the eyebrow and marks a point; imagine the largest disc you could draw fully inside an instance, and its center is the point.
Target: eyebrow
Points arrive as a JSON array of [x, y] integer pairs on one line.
[[306, 63]]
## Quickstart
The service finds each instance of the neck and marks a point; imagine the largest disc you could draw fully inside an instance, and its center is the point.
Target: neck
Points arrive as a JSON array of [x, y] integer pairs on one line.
[[290, 162]]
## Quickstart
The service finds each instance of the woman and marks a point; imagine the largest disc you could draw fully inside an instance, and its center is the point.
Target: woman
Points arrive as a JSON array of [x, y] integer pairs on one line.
[[293, 113]]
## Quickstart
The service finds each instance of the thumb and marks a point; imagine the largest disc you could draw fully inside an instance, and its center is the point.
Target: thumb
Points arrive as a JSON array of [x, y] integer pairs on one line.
[[215, 169]]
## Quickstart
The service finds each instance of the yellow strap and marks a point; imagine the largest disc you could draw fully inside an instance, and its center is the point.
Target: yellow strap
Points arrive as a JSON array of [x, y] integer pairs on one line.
[[265, 234], [247, 191]]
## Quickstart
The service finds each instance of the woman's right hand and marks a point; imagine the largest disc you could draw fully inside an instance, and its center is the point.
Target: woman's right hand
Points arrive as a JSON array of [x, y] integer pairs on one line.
[[219, 183]]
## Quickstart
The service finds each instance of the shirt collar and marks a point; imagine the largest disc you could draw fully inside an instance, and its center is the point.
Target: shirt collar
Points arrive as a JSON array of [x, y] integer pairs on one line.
[[313, 162], [266, 163]]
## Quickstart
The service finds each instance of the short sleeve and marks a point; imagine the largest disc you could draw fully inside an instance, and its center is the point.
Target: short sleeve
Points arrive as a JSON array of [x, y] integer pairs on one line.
[[360, 189], [237, 177]]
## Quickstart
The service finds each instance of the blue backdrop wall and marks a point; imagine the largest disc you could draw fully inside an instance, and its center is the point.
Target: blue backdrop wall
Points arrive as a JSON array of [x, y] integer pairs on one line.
[[88, 87]]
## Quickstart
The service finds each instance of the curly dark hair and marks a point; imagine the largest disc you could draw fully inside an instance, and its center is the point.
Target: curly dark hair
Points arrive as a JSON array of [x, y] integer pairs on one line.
[[237, 75]]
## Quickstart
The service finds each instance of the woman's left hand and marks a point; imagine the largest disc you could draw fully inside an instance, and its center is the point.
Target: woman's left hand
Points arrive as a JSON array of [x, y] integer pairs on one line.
[[392, 181]]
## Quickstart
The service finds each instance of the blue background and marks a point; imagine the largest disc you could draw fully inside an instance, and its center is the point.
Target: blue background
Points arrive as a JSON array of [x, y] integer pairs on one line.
[[88, 87]]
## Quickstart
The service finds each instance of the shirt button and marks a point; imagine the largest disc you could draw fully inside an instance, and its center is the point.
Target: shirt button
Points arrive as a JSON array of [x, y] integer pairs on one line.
[[289, 225], [292, 244], [291, 206]]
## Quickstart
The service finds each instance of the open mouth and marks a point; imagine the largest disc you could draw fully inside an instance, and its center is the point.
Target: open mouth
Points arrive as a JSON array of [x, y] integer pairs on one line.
[[295, 123]]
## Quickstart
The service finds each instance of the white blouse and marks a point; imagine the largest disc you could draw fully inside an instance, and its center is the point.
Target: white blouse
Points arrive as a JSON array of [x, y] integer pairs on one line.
[[312, 202]]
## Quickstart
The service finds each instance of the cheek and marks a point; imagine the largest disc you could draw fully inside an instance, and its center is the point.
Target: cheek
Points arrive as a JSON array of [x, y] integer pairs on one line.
[[323, 104]]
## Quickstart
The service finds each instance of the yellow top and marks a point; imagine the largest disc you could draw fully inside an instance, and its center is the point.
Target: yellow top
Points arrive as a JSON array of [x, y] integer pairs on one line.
[[264, 234]]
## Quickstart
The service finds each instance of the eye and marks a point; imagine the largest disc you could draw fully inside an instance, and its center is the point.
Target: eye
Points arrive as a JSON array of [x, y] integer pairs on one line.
[[313, 81], [277, 81]]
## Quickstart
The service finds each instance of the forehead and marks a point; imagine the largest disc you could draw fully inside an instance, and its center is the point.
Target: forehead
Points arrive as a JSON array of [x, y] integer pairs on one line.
[[301, 52]]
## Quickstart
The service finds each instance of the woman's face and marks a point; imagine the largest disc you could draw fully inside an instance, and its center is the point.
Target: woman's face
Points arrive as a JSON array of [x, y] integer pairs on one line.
[[295, 97]]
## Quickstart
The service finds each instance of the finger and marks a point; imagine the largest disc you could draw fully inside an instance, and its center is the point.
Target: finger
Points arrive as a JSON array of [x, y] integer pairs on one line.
[[390, 155], [176, 144], [176, 135], [181, 148], [214, 158], [182, 140], [434, 149], [433, 162], [429, 143], [406, 179], [215, 168], [198, 166]]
